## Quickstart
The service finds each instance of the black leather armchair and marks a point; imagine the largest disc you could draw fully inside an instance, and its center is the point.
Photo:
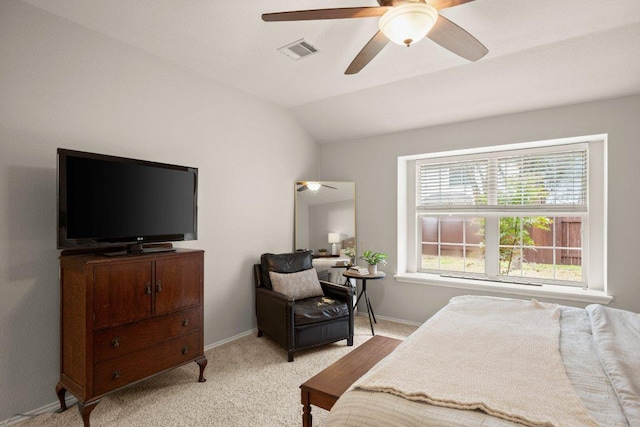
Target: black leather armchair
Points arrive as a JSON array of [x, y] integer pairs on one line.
[[303, 323]]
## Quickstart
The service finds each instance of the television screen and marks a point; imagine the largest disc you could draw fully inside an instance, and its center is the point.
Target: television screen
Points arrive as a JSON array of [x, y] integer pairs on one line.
[[107, 199]]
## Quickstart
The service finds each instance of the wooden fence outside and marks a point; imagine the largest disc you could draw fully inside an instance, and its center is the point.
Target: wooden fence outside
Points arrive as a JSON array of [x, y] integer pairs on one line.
[[568, 235]]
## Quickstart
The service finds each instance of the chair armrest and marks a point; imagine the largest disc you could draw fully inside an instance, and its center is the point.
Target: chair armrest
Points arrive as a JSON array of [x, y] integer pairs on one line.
[[342, 293], [274, 313], [337, 291], [267, 296]]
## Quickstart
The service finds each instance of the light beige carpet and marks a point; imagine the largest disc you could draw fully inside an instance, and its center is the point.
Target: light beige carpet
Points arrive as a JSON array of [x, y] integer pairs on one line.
[[249, 383]]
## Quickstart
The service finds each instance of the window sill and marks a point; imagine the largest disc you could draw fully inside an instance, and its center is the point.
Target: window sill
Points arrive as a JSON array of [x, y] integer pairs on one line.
[[545, 291]]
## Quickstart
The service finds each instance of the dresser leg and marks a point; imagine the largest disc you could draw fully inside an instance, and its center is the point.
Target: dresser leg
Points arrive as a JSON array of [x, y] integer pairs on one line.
[[202, 363], [85, 410], [61, 391]]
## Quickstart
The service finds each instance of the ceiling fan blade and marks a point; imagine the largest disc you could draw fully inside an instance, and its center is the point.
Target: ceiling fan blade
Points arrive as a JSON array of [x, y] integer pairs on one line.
[[314, 14], [452, 37], [445, 4], [368, 52], [328, 186]]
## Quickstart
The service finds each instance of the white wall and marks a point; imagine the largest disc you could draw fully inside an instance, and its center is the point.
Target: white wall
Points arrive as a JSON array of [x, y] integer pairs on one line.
[[301, 225], [62, 85], [375, 174], [336, 217]]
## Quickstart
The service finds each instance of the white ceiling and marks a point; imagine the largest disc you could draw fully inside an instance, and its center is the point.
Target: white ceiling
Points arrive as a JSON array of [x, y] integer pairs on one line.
[[541, 53]]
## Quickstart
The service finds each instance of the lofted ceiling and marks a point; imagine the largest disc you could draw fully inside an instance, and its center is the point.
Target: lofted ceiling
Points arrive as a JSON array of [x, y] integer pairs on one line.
[[542, 53]]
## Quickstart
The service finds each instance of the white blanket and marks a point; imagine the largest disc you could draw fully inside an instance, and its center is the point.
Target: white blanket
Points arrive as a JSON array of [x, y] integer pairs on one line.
[[616, 334], [492, 354]]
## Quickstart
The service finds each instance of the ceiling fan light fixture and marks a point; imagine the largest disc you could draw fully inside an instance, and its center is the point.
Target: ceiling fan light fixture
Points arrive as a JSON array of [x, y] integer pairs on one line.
[[408, 23], [313, 186]]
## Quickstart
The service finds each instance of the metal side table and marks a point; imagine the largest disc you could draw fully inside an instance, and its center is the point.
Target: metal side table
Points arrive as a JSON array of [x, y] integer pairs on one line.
[[364, 278]]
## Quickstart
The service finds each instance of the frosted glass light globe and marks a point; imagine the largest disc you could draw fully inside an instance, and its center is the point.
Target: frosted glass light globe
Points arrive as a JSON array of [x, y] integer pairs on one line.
[[408, 23]]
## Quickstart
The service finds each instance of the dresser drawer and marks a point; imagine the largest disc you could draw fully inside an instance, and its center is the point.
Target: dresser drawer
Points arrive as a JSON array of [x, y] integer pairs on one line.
[[114, 373], [122, 340]]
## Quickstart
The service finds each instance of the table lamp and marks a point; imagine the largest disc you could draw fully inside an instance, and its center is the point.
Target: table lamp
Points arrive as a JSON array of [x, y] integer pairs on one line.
[[334, 239]]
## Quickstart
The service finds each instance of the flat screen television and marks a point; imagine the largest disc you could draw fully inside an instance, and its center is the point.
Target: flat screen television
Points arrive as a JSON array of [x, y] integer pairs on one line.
[[107, 200]]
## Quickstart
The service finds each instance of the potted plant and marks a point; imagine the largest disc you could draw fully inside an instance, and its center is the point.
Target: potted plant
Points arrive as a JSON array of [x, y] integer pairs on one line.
[[351, 253], [373, 259]]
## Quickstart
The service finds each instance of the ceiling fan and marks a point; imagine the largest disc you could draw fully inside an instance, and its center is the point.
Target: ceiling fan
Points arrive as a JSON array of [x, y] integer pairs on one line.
[[312, 185], [403, 22]]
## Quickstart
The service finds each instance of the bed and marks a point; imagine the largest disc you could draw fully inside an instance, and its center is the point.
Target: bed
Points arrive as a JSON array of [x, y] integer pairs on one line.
[[497, 362]]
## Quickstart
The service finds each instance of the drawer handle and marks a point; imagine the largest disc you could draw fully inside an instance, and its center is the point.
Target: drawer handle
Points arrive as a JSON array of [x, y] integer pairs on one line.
[[185, 350], [115, 343], [148, 285], [185, 322], [159, 286], [115, 375]]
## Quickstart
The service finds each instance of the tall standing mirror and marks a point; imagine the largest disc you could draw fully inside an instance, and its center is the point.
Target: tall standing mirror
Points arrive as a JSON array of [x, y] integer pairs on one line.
[[325, 221]]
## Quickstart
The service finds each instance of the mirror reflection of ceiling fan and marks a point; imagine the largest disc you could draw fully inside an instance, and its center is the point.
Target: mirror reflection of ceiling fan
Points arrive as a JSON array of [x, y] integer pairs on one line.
[[403, 22], [311, 185]]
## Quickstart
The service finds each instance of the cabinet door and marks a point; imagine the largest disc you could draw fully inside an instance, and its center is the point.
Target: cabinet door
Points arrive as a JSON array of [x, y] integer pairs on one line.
[[122, 293], [178, 283]]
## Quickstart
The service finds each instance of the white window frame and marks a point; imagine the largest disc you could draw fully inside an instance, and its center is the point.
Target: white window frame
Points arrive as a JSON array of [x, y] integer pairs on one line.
[[594, 233]]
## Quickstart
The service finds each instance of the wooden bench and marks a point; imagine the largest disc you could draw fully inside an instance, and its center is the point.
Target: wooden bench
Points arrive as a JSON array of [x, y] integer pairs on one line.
[[324, 389]]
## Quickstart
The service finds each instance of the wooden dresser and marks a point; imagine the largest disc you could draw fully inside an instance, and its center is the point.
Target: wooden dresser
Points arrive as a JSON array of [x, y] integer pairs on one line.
[[125, 318]]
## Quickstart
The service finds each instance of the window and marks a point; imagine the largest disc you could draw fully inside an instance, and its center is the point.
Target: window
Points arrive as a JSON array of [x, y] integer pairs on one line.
[[526, 214]]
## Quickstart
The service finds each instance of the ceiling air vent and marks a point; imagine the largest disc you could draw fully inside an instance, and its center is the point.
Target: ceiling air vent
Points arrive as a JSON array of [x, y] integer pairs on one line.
[[299, 49]]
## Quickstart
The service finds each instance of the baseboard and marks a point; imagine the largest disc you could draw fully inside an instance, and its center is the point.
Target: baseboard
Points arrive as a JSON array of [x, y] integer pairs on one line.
[[255, 330], [390, 319], [51, 407], [233, 338]]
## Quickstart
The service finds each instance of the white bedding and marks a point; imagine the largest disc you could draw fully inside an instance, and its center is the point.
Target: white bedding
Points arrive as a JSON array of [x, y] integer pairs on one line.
[[366, 408], [616, 334], [487, 353]]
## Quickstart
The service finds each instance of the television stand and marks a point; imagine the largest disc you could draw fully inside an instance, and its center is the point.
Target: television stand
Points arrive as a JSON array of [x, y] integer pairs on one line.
[[125, 319]]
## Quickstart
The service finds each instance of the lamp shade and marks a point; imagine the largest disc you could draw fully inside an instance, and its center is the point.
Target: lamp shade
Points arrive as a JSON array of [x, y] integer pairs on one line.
[[408, 23], [334, 237]]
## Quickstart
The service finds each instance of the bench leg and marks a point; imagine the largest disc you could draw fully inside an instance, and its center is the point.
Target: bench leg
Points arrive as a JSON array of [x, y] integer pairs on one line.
[[306, 410]]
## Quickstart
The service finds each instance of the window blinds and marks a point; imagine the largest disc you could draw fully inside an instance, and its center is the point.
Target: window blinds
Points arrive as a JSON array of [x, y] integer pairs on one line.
[[551, 181]]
